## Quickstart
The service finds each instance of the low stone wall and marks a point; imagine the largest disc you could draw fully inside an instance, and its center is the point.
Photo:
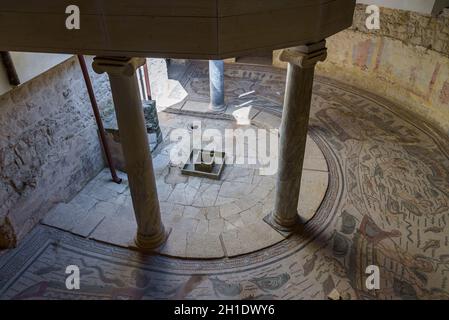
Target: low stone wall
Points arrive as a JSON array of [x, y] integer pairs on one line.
[[49, 146], [406, 61]]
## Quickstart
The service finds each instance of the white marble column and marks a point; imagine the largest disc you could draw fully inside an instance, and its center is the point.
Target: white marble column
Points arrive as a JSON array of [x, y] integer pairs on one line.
[[134, 139], [293, 132]]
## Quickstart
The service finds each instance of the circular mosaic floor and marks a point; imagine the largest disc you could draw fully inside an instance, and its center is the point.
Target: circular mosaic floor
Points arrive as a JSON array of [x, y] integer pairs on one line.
[[387, 204]]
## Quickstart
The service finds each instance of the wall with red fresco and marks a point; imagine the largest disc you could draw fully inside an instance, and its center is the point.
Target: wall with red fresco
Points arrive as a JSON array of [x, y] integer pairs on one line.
[[406, 61]]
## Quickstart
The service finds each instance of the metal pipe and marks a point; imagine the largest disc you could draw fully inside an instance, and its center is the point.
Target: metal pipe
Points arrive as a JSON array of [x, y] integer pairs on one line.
[[142, 84], [94, 104], [13, 78], [147, 80]]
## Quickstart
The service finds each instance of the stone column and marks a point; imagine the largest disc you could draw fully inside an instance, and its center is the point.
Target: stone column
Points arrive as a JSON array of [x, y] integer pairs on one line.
[[134, 138], [216, 78], [293, 132]]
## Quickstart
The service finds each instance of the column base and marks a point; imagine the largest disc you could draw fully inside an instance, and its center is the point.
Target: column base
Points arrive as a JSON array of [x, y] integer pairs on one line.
[[285, 229], [150, 243], [218, 109]]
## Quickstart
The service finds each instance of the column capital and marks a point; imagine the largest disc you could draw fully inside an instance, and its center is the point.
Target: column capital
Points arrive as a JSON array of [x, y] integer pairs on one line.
[[305, 56], [117, 65]]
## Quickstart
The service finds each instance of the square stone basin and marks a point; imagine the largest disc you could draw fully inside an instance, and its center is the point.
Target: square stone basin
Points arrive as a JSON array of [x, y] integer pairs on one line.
[[205, 163]]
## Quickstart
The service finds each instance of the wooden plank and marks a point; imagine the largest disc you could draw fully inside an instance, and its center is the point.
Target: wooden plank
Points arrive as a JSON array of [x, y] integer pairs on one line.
[[182, 8], [283, 28], [163, 8], [163, 34], [47, 32], [153, 36], [228, 8]]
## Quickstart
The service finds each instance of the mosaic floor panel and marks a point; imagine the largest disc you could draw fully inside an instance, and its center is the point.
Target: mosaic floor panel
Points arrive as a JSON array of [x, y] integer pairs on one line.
[[387, 205]]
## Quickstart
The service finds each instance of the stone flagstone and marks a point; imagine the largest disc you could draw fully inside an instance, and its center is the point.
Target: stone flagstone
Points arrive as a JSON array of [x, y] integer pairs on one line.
[[208, 219]]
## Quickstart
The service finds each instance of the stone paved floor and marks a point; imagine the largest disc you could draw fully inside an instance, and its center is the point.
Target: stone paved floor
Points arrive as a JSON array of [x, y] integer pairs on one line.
[[207, 218], [387, 205]]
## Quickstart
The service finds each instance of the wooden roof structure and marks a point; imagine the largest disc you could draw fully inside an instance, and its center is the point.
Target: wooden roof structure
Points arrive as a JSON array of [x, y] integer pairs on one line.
[[191, 29]]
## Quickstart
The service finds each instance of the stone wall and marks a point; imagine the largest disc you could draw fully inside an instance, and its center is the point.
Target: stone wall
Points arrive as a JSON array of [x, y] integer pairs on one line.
[[49, 147], [406, 61]]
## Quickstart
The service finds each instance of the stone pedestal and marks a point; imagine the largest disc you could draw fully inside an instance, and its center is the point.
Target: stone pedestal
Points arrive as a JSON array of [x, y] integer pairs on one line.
[[152, 120], [293, 132], [216, 78], [133, 134]]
